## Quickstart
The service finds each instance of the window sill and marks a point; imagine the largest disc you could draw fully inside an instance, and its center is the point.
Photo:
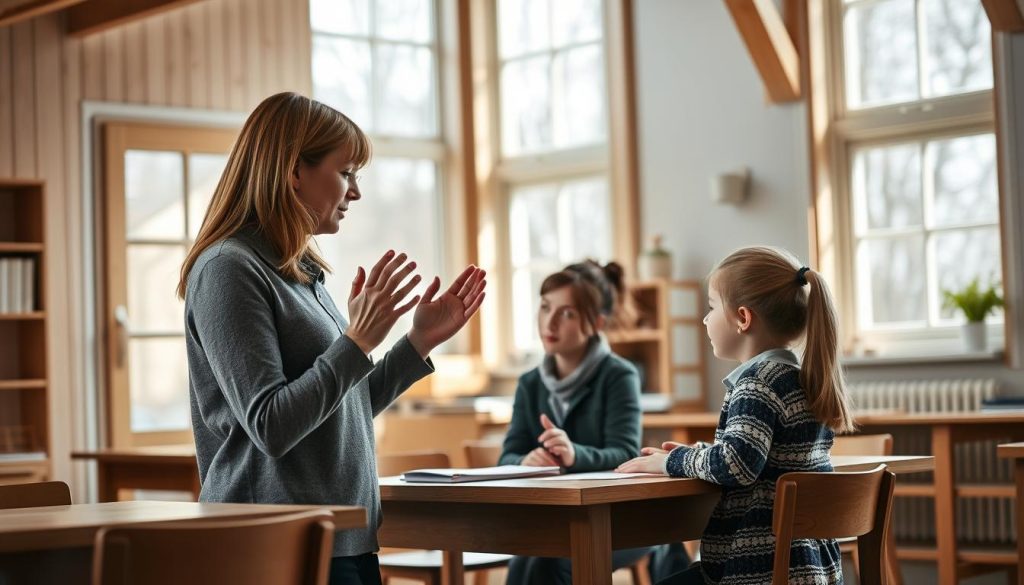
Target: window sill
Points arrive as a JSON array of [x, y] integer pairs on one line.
[[867, 361]]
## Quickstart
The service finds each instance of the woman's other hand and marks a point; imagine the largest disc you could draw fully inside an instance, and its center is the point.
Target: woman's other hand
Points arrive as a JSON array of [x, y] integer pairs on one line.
[[557, 442], [374, 301], [539, 457], [437, 319]]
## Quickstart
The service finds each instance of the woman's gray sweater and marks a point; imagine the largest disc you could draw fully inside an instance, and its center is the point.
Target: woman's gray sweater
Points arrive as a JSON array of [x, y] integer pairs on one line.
[[283, 402]]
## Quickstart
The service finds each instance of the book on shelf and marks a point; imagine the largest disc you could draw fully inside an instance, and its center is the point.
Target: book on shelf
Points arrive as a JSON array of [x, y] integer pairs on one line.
[[28, 282], [1003, 404], [22, 456], [5, 278], [17, 284], [460, 475]]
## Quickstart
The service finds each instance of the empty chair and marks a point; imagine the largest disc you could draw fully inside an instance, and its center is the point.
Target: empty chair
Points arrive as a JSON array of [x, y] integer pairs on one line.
[[834, 505], [290, 548], [481, 453], [863, 445], [33, 495], [870, 445], [425, 565]]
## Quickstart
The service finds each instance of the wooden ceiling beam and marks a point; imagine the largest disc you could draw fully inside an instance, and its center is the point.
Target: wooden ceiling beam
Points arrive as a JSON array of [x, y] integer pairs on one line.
[[770, 46], [1005, 15], [98, 15], [12, 11]]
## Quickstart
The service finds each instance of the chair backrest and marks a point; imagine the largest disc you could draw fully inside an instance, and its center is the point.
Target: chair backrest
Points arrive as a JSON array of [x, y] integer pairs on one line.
[[481, 453], [834, 505], [863, 445], [33, 495], [398, 463], [290, 548]]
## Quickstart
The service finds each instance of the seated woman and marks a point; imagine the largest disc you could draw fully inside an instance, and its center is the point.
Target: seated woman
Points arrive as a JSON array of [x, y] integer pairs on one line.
[[581, 408]]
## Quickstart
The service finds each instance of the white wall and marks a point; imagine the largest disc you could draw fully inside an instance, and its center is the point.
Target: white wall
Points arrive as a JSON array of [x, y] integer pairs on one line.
[[702, 110]]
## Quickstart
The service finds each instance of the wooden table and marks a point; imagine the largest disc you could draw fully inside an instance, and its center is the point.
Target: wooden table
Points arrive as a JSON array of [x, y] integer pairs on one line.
[[171, 467], [54, 543], [947, 429], [582, 520], [1015, 451]]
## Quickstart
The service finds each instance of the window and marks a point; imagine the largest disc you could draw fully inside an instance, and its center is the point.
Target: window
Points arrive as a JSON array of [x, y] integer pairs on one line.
[[148, 227], [553, 112], [913, 131], [377, 62]]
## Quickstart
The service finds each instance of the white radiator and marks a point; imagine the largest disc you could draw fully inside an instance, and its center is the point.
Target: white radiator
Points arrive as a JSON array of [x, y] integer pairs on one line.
[[981, 521]]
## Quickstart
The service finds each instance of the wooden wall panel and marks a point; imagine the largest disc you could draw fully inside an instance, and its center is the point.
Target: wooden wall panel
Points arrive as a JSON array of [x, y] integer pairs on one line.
[[24, 112], [92, 68], [217, 47], [156, 60], [134, 62], [113, 60], [6, 105], [214, 54], [177, 60], [196, 46], [235, 69]]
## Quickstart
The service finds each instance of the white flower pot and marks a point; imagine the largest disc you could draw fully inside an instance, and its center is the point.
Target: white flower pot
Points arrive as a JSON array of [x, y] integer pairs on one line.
[[974, 336]]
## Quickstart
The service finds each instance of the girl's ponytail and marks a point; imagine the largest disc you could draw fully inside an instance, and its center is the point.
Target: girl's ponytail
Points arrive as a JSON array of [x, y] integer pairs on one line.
[[820, 374]]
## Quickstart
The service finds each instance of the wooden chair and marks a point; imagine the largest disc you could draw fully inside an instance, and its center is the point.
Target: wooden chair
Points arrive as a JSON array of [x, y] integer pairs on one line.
[[834, 505], [880, 444], [425, 565], [481, 453], [291, 548], [34, 495], [862, 445]]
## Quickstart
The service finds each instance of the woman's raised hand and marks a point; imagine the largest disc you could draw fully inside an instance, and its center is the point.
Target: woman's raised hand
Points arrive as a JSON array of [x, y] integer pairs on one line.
[[374, 301], [437, 319]]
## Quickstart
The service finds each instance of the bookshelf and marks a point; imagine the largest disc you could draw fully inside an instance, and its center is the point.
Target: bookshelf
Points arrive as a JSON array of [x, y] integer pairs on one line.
[[24, 405], [667, 342]]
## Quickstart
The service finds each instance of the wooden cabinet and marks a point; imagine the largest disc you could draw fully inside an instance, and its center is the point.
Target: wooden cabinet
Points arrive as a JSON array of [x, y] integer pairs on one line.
[[667, 342], [24, 433]]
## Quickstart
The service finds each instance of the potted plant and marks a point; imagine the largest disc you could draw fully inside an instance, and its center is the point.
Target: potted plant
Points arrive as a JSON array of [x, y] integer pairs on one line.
[[976, 303]]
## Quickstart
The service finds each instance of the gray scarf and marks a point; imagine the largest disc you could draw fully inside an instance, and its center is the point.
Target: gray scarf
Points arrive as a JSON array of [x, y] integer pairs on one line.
[[561, 391]]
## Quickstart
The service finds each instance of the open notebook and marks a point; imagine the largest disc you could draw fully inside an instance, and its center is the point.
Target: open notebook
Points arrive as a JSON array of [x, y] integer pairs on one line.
[[457, 475]]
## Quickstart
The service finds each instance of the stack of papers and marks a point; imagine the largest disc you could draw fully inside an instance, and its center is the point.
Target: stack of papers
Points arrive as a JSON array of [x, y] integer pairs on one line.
[[457, 475]]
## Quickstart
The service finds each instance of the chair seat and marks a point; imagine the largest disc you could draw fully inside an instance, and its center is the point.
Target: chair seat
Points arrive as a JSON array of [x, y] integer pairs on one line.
[[431, 559]]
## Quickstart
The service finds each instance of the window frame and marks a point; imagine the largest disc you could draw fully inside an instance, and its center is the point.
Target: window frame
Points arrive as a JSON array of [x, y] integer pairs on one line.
[[615, 159], [836, 132]]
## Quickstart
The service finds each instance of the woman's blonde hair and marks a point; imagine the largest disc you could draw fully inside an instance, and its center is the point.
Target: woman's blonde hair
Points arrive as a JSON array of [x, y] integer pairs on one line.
[[255, 188], [772, 284]]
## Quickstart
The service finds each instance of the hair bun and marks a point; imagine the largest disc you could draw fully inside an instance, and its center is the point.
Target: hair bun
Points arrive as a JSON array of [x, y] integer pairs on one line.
[[616, 276]]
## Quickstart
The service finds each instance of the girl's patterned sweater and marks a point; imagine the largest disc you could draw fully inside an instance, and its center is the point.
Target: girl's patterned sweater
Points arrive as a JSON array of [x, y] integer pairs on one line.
[[765, 429]]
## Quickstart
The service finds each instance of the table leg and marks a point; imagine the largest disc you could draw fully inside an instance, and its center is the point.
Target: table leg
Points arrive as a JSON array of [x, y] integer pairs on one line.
[[590, 533], [106, 482], [1019, 479], [945, 503], [452, 571]]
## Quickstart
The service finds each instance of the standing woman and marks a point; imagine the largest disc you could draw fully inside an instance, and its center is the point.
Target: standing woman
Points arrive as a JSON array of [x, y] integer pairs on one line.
[[580, 409], [282, 389]]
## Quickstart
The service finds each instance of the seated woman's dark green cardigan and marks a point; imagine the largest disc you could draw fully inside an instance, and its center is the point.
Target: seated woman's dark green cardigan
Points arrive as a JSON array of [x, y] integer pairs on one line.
[[602, 420]]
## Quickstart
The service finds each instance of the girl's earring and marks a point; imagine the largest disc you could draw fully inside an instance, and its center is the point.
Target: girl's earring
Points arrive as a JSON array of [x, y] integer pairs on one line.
[[739, 330]]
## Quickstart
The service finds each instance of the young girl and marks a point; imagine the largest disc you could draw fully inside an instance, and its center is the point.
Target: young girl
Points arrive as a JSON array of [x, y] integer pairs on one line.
[[581, 408], [778, 416]]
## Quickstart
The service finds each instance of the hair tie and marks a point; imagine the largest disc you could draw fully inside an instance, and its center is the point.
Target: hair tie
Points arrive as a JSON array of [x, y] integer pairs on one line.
[[800, 278]]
